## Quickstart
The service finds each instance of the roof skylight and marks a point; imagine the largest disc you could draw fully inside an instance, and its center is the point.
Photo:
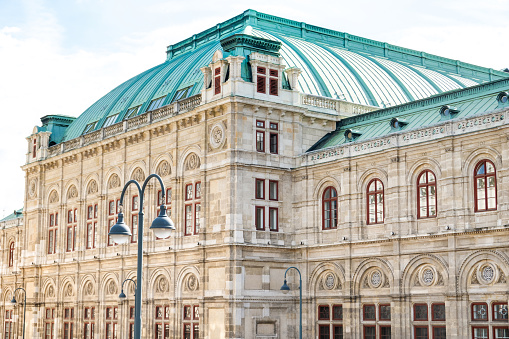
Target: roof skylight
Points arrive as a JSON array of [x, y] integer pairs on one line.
[[131, 112], [110, 120], [182, 94], [156, 103], [89, 128]]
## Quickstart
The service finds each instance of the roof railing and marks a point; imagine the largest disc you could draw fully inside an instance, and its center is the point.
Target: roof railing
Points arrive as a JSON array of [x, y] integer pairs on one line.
[[341, 107], [135, 122]]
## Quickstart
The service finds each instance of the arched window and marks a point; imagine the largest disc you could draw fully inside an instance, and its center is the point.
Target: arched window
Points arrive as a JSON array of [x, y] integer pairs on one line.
[[485, 186], [330, 208], [426, 195], [11, 254], [375, 200]]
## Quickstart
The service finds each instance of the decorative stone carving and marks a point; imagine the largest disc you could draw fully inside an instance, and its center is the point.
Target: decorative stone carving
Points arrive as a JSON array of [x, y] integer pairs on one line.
[[487, 273], [161, 285], [502, 279], [191, 283], [329, 281], [72, 193], [217, 135], [92, 187], [51, 292], [53, 197], [163, 169], [89, 288], [192, 162], [114, 181], [111, 288], [376, 278], [428, 275], [138, 175], [32, 188], [68, 291]]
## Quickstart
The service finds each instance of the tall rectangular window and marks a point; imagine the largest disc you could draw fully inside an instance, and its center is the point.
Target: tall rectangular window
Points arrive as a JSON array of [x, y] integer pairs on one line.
[[89, 323], [131, 322], [191, 320], [72, 219], [261, 79], [8, 325], [273, 219], [260, 218], [273, 82], [49, 323], [111, 316], [260, 141], [421, 332], [330, 322], [273, 190], [68, 330], [217, 80], [369, 332], [92, 213], [259, 188], [52, 232], [192, 208], [34, 150], [162, 324]]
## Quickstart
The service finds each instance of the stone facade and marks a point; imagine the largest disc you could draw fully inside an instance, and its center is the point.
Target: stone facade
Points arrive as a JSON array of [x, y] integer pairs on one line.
[[220, 274]]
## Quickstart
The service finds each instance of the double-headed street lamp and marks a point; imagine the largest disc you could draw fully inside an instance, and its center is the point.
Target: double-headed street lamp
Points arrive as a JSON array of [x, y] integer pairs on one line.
[[285, 288], [13, 301], [120, 233]]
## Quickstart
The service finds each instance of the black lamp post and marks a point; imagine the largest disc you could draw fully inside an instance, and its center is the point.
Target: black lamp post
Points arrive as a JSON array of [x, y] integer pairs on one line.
[[13, 301], [120, 233]]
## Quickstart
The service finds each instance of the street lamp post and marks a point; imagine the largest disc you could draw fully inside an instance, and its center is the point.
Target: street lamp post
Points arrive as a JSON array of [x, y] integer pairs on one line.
[[13, 301], [122, 294], [120, 233], [285, 288]]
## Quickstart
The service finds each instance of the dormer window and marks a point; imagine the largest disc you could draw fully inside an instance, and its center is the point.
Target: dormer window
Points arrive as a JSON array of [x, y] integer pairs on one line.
[[182, 93], [273, 82], [217, 80], [110, 120], [90, 127], [261, 79], [156, 103], [448, 112], [131, 112], [34, 149], [503, 98], [351, 135]]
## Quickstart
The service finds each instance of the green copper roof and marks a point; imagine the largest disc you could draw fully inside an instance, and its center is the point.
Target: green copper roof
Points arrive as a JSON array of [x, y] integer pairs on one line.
[[14, 215], [479, 99], [334, 64]]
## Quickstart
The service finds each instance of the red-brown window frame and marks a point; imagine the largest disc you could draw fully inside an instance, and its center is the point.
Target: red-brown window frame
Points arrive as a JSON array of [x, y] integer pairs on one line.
[[276, 228], [11, 254], [196, 231], [427, 186], [135, 207], [329, 311], [194, 312], [380, 329], [34, 149], [52, 232], [263, 218], [364, 312], [421, 326], [427, 311], [485, 176], [380, 312], [134, 237], [334, 306], [273, 82], [196, 184], [185, 219], [277, 190], [472, 311], [257, 181], [436, 326], [261, 80], [276, 136], [364, 329], [326, 326], [433, 313], [493, 312], [375, 192], [186, 198], [68, 320], [486, 327], [262, 143], [495, 328], [334, 225], [71, 226], [217, 80]]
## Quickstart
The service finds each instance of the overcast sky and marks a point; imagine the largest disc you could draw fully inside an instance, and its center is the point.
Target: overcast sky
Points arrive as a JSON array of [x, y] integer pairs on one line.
[[60, 56]]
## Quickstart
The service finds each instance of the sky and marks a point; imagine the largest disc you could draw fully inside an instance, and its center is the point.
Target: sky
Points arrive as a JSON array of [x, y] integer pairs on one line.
[[60, 56]]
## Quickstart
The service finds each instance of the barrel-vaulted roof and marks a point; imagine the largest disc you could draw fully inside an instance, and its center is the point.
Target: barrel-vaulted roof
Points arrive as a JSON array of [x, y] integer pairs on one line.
[[333, 64]]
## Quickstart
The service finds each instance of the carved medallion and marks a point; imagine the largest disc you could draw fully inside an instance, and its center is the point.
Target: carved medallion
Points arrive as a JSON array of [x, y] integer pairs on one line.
[[53, 197], [138, 175], [193, 162], [92, 187], [376, 278], [192, 283], [114, 181], [163, 169], [329, 281], [72, 193], [51, 292], [112, 288], [162, 285], [89, 288], [68, 291], [217, 136], [32, 188]]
